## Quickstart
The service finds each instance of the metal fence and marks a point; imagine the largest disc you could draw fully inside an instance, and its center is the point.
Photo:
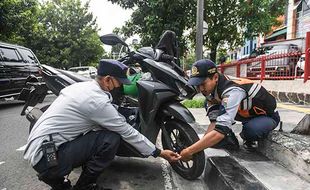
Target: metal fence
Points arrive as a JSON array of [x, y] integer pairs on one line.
[[275, 66]]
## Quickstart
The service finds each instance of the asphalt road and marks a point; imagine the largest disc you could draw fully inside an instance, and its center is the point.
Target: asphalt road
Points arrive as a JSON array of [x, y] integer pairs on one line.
[[124, 173]]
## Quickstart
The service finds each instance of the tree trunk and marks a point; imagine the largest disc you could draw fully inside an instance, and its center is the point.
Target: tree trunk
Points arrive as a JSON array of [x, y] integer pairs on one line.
[[213, 53]]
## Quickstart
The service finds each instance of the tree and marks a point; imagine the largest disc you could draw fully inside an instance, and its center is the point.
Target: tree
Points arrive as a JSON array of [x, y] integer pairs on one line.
[[229, 21], [67, 35], [151, 18], [18, 20]]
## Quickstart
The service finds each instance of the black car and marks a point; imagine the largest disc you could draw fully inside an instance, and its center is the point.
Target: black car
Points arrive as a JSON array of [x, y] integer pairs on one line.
[[17, 65]]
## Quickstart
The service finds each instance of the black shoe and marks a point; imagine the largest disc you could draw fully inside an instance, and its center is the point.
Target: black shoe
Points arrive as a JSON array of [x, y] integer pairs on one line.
[[91, 187], [65, 186], [250, 146], [230, 142]]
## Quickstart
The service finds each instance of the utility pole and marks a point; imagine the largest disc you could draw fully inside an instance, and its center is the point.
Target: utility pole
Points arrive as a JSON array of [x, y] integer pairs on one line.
[[199, 29]]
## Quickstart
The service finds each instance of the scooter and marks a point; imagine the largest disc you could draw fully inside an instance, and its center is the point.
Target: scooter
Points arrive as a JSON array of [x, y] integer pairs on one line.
[[158, 104]]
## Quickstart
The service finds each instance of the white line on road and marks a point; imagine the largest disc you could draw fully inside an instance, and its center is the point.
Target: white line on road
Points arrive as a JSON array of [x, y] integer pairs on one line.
[[21, 148], [165, 167], [166, 174], [2, 163]]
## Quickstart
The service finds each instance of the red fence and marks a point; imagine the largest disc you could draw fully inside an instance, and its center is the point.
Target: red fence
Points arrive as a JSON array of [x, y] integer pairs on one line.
[[279, 66]]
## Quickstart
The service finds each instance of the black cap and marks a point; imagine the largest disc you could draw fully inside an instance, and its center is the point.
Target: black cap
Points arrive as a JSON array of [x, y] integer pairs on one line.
[[113, 68], [201, 70]]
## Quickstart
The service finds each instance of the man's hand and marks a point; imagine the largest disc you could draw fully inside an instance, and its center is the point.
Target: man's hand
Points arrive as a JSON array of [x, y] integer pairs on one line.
[[169, 155], [186, 155]]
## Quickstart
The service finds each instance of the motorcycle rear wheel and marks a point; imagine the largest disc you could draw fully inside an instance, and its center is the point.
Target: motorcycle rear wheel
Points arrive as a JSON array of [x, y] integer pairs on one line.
[[182, 135]]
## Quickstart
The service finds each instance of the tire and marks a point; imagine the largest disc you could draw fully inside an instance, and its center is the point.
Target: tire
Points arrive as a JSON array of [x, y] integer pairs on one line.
[[182, 135]]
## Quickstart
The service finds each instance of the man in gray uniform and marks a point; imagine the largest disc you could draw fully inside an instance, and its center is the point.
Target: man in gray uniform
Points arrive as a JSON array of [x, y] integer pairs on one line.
[[231, 99], [84, 129]]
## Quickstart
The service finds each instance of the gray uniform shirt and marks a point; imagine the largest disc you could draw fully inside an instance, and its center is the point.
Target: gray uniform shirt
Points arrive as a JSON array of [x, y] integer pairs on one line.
[[78, 109], [230, 100]]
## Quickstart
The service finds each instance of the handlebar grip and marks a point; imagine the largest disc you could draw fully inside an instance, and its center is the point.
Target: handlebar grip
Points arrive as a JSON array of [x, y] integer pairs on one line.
[[167, 57]]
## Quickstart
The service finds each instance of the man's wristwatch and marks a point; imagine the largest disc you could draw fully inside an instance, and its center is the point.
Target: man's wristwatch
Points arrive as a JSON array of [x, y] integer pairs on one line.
[[156, 152]]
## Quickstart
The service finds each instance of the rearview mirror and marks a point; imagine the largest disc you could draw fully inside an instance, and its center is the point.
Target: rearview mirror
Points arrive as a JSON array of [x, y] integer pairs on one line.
[[112, 39]]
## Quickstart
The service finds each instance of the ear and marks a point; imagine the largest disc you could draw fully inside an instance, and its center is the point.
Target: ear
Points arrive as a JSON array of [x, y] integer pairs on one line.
[[107, 78], [216, 76]]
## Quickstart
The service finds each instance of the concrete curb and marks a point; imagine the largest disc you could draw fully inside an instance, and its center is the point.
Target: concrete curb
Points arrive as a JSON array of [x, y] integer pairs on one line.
[[225, 173], [290, 150], [292, 97]]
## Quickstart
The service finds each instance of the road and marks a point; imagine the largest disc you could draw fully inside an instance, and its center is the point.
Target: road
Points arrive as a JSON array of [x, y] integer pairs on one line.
[[124, 173]]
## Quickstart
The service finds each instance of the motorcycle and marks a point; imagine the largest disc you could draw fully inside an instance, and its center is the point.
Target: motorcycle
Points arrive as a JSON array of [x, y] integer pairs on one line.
[[157, 107]]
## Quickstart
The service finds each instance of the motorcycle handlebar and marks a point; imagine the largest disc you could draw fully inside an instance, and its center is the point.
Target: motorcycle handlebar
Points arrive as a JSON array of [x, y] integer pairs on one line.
[[167, 57]]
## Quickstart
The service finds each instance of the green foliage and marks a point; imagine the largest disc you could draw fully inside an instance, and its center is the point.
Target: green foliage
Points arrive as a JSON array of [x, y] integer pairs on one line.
[[150, 18], [67, 35], [62, 33], [229, 21], [221, 55], [188, 60], [18, 20], [194, 103]]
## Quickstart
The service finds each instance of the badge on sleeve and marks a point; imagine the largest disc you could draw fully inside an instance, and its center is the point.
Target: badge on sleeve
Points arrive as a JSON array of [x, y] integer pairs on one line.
[[225, 100]]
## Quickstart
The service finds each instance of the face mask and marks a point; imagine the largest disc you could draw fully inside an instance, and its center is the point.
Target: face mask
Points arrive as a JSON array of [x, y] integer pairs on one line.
[[117, 94]]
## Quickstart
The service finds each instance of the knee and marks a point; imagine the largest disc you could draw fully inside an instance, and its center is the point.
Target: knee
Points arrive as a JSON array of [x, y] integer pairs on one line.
[[255, 133], [114, 140], [109, 142]]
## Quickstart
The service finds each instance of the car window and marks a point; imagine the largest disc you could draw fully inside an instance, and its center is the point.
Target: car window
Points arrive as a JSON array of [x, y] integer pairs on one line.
[[28, 56], [9, 54]]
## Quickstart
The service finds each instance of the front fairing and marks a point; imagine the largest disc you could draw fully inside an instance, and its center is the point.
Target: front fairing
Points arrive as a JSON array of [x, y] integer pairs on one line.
[[164, 72]]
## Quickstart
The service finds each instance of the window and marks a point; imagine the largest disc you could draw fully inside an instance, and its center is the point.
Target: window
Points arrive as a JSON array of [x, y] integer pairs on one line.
[[9, 54], [28, 56], [244, 50], [306, 6], [247, 49]]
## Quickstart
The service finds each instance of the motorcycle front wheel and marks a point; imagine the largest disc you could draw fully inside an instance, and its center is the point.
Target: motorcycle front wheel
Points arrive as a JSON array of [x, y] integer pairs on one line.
[[179, 136]]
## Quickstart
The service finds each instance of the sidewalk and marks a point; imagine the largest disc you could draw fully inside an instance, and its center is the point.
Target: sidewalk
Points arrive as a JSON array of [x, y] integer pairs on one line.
[[281, 161], [290, 115]]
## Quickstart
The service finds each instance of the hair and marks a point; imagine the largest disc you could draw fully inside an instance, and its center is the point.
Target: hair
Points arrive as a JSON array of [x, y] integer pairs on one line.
[[211, 75]]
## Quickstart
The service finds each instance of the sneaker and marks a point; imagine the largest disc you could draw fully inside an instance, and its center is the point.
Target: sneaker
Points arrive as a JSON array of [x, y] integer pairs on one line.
[[250, 146]]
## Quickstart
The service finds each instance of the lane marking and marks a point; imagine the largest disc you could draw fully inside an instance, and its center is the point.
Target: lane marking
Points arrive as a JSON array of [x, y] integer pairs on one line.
[[294, 108], [166, 174], [2, 163], [165, 167], [22, 148]]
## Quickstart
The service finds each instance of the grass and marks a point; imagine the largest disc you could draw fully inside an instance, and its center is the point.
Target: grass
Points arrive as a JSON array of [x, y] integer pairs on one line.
[[194, 103]]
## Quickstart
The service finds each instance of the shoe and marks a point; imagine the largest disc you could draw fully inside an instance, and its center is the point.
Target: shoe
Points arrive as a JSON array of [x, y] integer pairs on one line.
[[250, 146], [230, 142], [66, 185], [91, 187]]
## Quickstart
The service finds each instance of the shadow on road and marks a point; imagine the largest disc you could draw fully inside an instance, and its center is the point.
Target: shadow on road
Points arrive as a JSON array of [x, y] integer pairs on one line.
[[10, 104]]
